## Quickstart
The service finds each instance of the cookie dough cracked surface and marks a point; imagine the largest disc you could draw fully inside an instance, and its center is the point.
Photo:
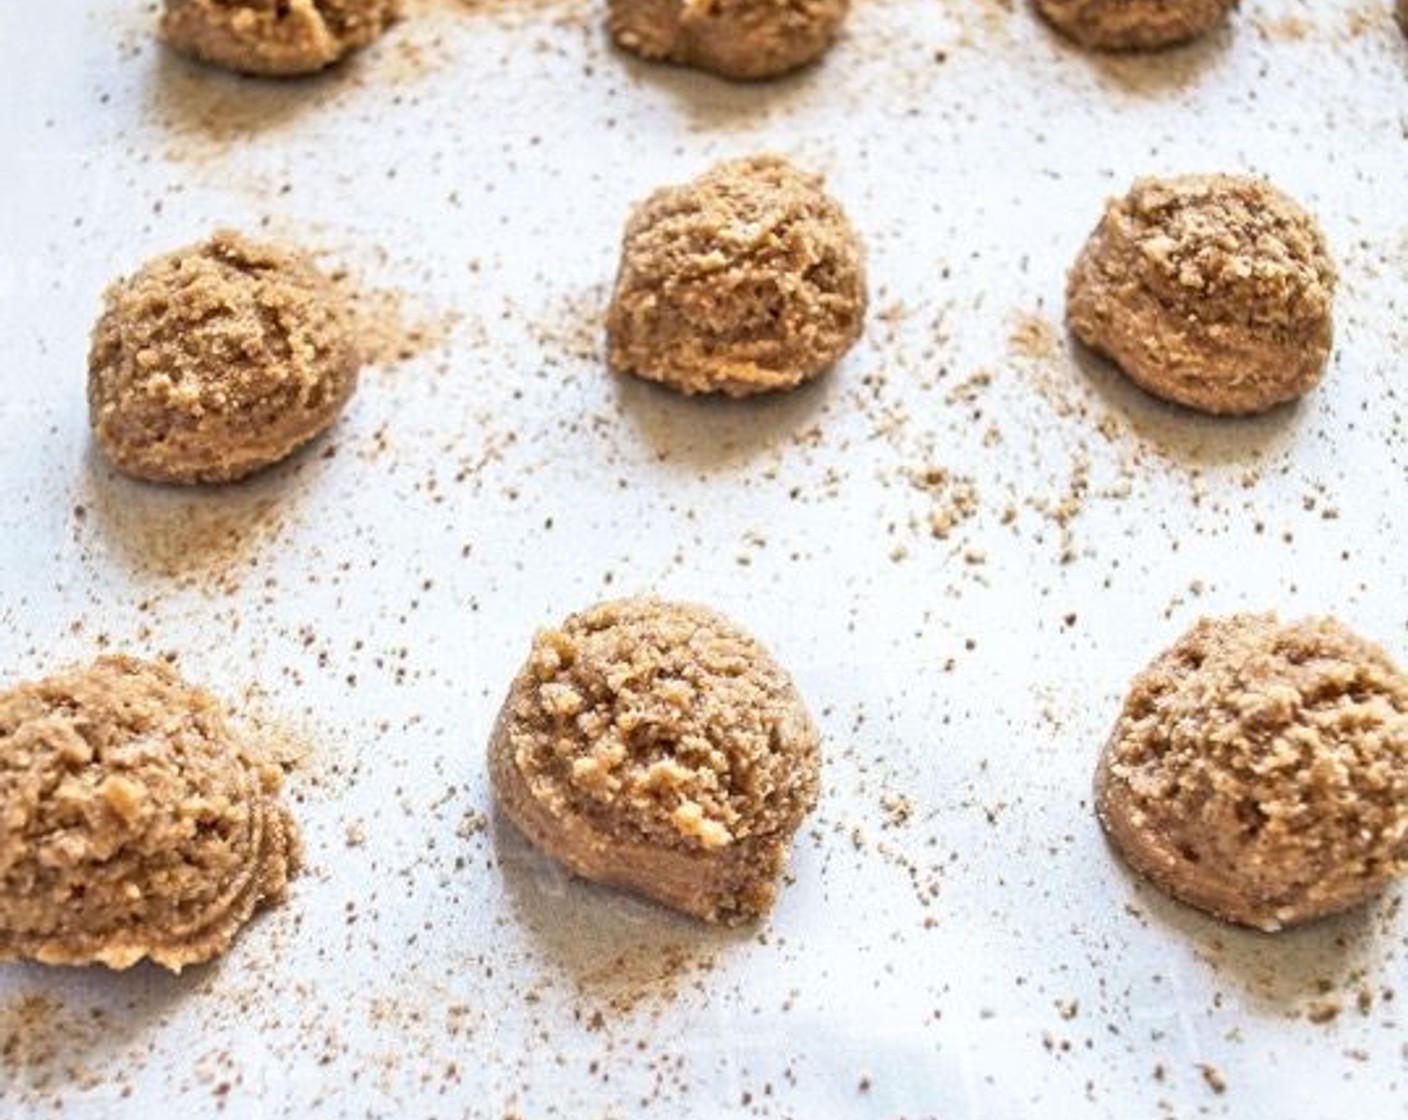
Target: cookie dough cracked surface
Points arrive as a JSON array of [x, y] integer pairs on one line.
[[216, 361], [739, 39], [275, 38], [1123, 25], [1259, 771], [133, 823], [656, 747], [746, 280], [1212, 291]]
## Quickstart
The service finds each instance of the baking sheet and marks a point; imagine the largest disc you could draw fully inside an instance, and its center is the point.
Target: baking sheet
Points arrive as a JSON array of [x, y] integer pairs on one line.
[[963, 544]]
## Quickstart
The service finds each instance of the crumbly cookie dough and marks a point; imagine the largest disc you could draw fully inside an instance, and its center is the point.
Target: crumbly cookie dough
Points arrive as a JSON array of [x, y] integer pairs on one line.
[[1212, 291], [216, 361], [745, 40], [1259, 771], [1134, 25], [654, 746], [748, 279], [133, 824], [275, 38]]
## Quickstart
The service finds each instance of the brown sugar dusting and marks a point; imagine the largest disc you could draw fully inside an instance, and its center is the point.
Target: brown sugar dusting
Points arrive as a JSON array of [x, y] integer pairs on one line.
[[955, 499], [388, 327], [643, 977], [319, 765], [1034, 338], [204, 113], [1336, 22], [39, 1038], [28, 1038], [207, 540]]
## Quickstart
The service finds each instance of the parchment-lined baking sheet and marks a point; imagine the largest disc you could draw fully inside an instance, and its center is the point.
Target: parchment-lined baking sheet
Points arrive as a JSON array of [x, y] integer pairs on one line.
[[958, 941]]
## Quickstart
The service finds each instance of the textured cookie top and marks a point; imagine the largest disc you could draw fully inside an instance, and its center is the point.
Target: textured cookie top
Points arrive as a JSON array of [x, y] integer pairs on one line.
[[275, 38], [130, 816], [750, 278], [1278, 752], [218, 359], [663, 722], [1228, 250]]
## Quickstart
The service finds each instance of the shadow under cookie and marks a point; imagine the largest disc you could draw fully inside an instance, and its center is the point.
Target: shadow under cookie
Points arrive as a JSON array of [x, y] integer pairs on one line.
[[716, 435], [1184, 435], [209, 535], [200, 104], [609, 944], [1280, 973]]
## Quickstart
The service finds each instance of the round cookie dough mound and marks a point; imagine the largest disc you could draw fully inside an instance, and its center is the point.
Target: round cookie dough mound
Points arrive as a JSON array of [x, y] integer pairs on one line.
[[656, 747], [1127, 25], [1211, 291], [747, 280], [1259, 771], [133, 824], [218, 360], [275, 38], [741, 39]]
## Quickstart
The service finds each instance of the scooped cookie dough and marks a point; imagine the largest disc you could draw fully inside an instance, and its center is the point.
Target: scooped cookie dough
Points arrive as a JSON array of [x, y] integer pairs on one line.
[[1125, 25], [218, 360], [741, 39], [1259, 771], [275, 38], [747, 280], [133, 823], [1212, 291], [656, 747]]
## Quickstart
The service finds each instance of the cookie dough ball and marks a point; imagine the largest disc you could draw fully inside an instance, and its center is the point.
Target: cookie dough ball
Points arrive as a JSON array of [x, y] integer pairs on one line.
[[656, 747], [218, 360], [1126, 25], [275, 38], [133, 823], [1211, 291], [748, 279], [740, 39], [1259, 771]]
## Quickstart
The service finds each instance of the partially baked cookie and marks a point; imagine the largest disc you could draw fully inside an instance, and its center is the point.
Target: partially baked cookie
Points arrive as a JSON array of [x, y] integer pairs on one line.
[[1125, 25], [275, 38], [1259, 771], [740, 39], [748, 279], [133, 823], [654, 746], [1212, 291], [216, 361]]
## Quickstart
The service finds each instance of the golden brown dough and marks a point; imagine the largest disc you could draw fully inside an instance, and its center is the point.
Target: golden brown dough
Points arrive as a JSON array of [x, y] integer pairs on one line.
[[133, 824], [218, 360], [1124, 25], [1259, 771], [656, 747], [747, 280], [740, 39], [275, 38], [1212, 291]]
